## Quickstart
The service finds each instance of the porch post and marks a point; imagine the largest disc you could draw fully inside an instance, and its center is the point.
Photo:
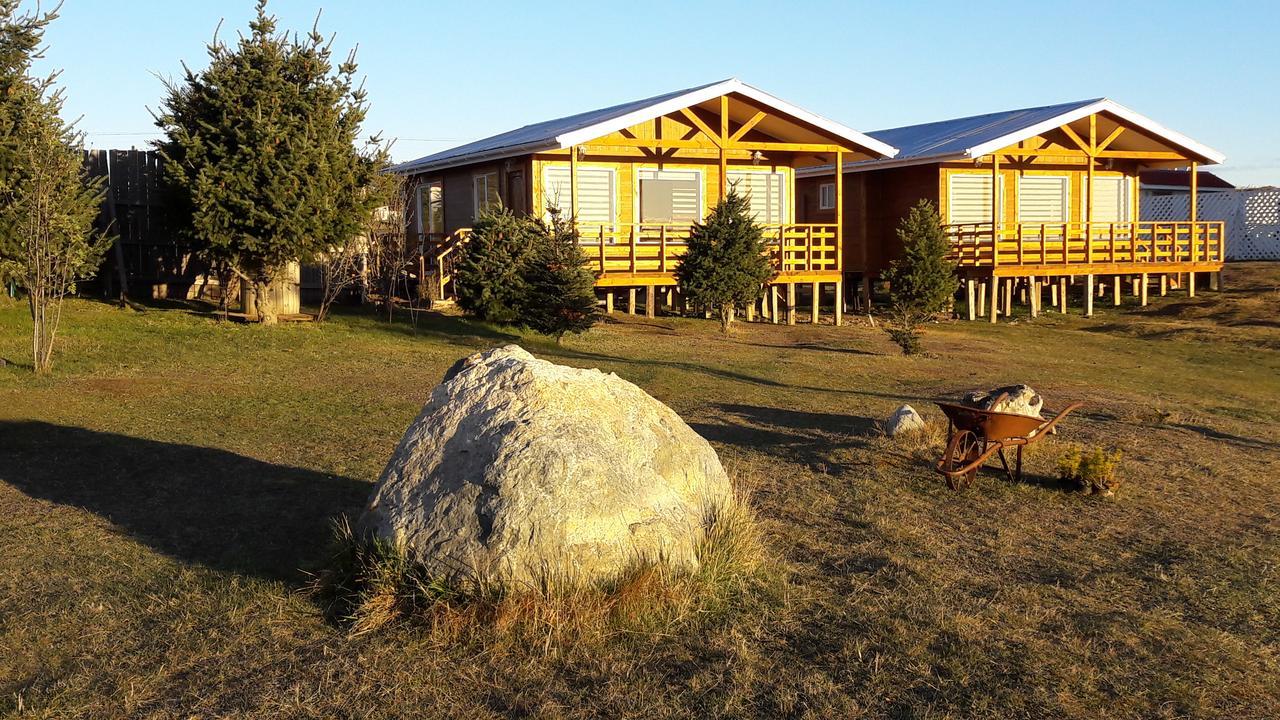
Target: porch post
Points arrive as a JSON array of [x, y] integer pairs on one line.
[[839, 233], [724, 140], [1195, 186], [573, 183], [995, 213]]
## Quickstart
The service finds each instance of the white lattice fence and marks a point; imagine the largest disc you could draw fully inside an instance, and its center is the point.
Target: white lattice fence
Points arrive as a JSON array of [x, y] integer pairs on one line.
[[1252, 218]]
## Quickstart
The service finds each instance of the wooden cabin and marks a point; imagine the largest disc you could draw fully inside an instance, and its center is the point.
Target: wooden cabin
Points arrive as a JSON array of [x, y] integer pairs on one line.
[[636, 177], [1032, 197]]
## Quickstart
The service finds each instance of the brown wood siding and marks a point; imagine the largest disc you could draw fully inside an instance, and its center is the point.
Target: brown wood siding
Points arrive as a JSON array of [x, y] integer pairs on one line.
[[890, 195]]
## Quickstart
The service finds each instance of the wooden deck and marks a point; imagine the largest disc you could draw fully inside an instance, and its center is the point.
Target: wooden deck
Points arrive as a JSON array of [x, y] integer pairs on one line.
[[1099, 248]]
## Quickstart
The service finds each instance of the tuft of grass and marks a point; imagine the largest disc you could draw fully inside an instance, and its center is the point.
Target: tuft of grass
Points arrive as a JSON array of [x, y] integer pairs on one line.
[[373, 585], [1094, 471]]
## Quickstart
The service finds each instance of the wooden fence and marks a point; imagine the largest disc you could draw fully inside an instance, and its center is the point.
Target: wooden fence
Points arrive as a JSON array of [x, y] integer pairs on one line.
[[147, 255]]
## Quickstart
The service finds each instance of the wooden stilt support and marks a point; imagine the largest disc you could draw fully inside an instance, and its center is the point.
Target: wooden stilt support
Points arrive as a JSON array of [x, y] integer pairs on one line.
[[608, 302], [866, 293], [1008, 297], [1115, 291], [1053, 293], [838, 308], [773, 303], [651, 301], [995, 298], [1215, 281], [1164, 285], [791, 303], [1088, 295], [968, 291], [817, 296], [1144, 284], [1034, 299], [1134, 281], [631, 301], [1191, 284], [751, 311], [982, 299], [1062, 295]]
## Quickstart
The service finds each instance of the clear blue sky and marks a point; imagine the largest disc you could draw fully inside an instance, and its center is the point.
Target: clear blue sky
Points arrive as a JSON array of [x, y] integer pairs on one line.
[[440, 73]]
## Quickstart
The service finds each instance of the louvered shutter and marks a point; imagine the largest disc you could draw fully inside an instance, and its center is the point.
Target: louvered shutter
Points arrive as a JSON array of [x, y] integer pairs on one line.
[[595, 190], [1042, 199], [1110, 199], [670, 196], [764, 192], [969, 198]]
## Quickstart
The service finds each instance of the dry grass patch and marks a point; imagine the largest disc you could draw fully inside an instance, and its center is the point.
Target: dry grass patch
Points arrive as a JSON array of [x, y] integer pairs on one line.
[[372, 585]]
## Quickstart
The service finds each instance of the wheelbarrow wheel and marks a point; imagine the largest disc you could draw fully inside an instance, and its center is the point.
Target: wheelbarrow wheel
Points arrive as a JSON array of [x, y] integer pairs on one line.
[[963, 450]]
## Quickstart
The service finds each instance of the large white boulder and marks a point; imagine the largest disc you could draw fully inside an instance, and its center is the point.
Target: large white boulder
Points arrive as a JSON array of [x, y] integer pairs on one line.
[[518, 469]]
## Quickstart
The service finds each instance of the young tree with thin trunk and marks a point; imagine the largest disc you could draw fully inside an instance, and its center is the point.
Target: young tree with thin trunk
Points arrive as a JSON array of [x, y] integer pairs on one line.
[[261, 152], [47, 202], [922, 282], [724, 265]]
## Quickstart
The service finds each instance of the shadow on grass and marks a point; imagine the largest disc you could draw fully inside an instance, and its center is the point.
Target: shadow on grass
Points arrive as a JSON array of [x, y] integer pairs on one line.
[[817, 440], [195, 504]]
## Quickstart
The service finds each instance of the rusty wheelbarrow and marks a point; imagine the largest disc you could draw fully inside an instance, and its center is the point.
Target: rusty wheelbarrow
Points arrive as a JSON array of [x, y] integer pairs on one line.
[[974, 435]]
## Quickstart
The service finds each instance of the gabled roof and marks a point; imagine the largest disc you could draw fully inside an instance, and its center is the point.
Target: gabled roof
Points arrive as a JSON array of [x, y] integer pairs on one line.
[[574, 129], [978, 135]]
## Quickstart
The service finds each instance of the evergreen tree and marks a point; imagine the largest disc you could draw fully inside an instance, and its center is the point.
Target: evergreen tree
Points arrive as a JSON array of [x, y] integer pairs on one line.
[[261, 152], [559, 289], [47, 204], [724, 264], [922, 282], [490, 274]]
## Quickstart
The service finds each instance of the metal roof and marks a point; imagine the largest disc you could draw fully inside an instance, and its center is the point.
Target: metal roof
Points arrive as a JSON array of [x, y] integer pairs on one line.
[[978, 135], [574, 129]]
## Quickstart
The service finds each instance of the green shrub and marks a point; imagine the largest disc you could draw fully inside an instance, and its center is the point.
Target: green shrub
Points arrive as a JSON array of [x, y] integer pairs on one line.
[[1093, 471], [559, 289], [922, 282], [724, 265], [489, 278]]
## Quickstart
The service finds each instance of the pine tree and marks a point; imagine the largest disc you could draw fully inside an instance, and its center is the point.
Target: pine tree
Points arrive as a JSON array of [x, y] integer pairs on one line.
[[559, 289], [47, 203], [922, 282], [724, 264], [489, 277], [261, 152]]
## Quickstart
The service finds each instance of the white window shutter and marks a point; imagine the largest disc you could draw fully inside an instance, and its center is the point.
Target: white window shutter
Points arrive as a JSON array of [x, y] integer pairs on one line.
[[1042, 199], [968, 198], [595, 190], [764, 191]]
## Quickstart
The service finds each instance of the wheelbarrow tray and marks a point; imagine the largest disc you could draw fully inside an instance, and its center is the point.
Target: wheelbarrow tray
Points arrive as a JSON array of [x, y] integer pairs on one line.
[[991, 425]]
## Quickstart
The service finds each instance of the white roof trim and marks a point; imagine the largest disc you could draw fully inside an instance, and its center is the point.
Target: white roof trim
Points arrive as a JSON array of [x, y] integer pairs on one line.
[[1213, 156], [600, 129], [725, 87]]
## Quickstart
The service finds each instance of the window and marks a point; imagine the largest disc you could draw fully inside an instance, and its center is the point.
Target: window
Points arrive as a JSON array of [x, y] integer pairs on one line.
[[431, 208], [1042, 199], [1111, 200], [827, 196], [764, 192], [485, 192], [969, 198], [670, 196], [596, 201]]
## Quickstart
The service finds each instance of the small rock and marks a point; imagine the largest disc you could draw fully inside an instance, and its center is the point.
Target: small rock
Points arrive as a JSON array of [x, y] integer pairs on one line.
[[904, 419]]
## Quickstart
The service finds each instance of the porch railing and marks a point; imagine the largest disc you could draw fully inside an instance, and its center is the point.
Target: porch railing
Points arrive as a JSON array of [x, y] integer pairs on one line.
[[979, 245], [635, 248]]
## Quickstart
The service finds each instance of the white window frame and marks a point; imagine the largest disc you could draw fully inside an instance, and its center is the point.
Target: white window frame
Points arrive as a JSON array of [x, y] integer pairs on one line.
[[701, 183], [1066, 199], [476, 196], [827, 196], [1126, 206], [1000, 197], [568, 211], [423, 188]]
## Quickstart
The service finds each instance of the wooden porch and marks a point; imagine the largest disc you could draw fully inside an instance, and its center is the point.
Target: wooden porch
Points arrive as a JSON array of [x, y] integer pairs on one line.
[[644, 256], [1079, 248]]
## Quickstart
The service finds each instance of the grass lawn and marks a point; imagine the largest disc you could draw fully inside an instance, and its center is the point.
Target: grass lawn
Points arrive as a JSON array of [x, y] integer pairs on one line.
[[162, 493]]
